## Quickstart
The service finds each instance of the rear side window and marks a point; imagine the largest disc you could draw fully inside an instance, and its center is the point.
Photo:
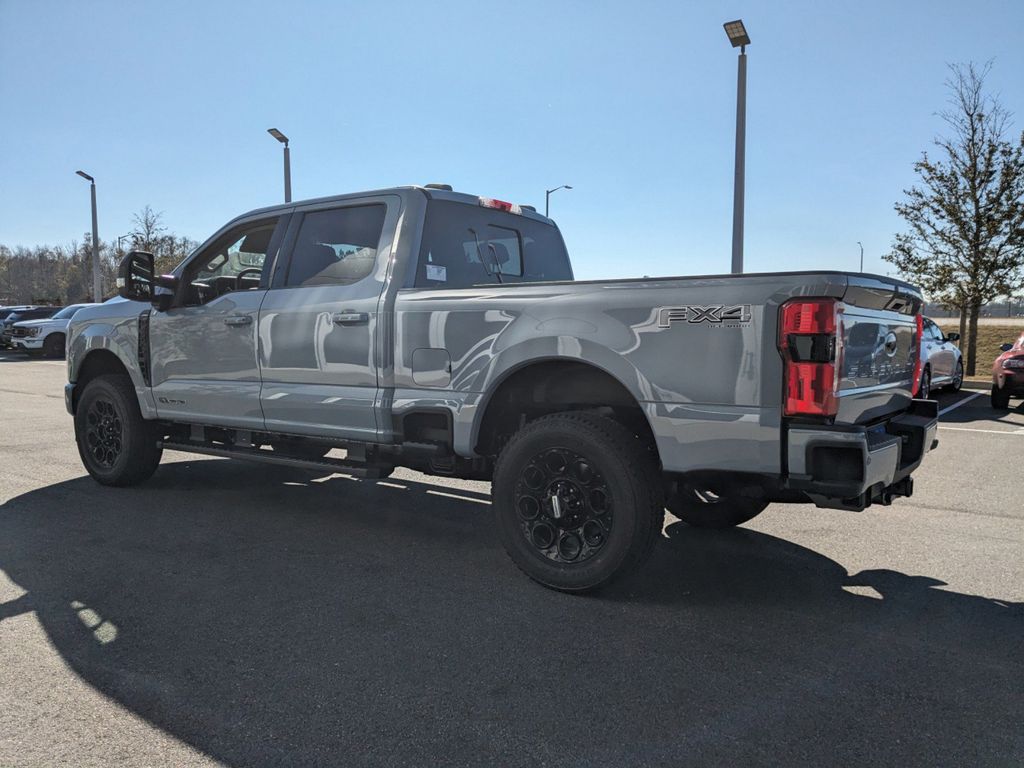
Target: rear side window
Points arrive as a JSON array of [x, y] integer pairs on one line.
[[337, 246], [465, 245]]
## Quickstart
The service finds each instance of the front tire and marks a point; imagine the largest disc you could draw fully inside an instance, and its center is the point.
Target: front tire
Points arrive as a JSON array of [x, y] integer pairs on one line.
[[578, 501], [53, 345], [704, 507], [1000, 398], [117, 446]]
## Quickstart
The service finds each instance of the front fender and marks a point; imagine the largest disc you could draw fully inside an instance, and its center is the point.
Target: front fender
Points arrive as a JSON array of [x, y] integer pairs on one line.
[[117, 333]]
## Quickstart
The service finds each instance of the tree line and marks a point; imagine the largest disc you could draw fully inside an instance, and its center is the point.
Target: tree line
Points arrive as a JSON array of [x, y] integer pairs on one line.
[[965, 240], [62, 274]]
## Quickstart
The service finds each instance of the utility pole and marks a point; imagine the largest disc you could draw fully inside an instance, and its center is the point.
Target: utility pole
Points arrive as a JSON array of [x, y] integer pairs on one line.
[[97, 277], [287, 163], [739, 38]]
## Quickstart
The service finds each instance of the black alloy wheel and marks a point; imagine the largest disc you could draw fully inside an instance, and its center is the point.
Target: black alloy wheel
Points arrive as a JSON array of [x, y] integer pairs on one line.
[[104, 432], [564, 505]]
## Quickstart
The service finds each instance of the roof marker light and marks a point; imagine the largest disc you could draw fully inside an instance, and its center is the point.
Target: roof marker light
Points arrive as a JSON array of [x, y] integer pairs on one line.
[[501, 205]]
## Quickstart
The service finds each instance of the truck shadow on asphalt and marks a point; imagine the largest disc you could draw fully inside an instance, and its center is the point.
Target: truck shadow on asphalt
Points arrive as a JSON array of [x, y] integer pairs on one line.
[[270, 618]]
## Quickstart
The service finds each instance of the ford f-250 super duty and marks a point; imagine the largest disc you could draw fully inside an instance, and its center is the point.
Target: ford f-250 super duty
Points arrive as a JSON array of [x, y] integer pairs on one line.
[[444, 332]]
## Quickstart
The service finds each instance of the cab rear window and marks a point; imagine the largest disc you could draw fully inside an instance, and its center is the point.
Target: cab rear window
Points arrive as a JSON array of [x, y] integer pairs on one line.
[[465, 245]]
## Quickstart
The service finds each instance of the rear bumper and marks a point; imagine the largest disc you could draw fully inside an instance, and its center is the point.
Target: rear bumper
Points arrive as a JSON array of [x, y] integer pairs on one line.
[[852, 467]]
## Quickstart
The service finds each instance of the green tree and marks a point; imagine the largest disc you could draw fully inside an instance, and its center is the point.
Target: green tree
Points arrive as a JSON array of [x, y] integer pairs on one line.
[[965, 243]]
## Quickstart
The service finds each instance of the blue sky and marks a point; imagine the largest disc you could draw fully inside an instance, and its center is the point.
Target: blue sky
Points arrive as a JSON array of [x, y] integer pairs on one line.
[[632, 103]]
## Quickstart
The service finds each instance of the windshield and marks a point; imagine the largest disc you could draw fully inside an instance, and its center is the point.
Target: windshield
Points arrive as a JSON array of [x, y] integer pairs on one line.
[[67, 312]]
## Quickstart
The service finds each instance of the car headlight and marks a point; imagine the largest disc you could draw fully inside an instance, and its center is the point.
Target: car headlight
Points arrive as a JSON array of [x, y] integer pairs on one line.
[[32, 332], [1014, 362]]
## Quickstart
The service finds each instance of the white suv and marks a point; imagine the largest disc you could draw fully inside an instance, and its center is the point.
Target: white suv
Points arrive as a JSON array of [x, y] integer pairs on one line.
[[46, 336]]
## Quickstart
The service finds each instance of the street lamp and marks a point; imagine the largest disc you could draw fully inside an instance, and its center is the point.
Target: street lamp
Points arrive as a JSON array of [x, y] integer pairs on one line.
[[738, 37], [287, 163], [97, 279], [861, 256], [547, 197]]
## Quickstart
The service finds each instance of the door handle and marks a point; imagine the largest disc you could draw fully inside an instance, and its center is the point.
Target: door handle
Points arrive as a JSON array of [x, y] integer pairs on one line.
[[238, 320], [350, 318]]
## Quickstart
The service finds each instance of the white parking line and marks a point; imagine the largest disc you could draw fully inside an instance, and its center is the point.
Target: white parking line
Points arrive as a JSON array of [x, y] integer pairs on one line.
[[957, 404], [1018, 433]]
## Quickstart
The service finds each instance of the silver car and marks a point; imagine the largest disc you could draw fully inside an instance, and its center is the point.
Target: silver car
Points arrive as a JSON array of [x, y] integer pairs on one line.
[[942, 364]]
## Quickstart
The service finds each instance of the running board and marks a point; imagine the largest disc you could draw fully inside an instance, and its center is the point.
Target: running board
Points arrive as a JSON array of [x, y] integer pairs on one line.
[[341, 466]]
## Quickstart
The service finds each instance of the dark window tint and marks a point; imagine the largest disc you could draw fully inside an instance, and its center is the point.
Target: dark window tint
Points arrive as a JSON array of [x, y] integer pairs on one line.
[[467, 245], [336, 247]]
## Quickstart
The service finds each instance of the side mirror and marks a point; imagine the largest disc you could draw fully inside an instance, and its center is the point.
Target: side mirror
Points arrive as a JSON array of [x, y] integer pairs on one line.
[[953, 336], [135, 276], [1005, 347]]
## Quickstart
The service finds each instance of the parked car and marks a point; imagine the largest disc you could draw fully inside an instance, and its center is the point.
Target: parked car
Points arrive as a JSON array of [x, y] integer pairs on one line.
[[942, 364], [1008, 374], [6, 311], [444, 332], [32, 313], [47, 335]]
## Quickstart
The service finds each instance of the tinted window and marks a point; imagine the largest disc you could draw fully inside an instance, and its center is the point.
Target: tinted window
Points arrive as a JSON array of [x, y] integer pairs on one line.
[[336, 247], [467, 245]]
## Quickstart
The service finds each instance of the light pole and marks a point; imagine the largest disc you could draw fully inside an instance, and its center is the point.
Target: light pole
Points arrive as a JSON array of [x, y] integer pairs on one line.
[[738, 37], [287, 163], [861, 256], [547, 197], [97, 278]]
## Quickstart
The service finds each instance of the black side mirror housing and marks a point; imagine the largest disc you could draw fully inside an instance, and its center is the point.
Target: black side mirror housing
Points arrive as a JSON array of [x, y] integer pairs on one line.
[[1005, 347], [135, 277], [953, 336]]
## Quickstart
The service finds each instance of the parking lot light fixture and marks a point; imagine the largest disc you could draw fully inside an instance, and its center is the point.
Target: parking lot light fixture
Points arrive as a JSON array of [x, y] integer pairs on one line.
[[547, 197], [739, 38], [97, 278], [287, 163]]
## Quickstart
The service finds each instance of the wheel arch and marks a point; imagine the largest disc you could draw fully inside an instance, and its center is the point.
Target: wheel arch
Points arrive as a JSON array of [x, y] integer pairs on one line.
[[541, 386]]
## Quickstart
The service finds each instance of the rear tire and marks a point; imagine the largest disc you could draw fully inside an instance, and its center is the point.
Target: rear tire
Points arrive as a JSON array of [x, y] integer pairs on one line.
[[1000, 398], [958, 377], [53, 345], [924, 391], [117, 446], [609, 510], [703, 507]]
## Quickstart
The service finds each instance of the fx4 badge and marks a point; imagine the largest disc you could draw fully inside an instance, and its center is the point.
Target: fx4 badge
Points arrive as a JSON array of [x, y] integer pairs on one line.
[[717, 314]]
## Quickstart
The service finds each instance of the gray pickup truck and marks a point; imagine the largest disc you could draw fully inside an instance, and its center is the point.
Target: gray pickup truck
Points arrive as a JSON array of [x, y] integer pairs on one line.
[[424, 328]]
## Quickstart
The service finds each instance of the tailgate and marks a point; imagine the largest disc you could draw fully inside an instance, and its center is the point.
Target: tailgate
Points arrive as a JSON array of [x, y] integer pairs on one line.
[[878, 349]]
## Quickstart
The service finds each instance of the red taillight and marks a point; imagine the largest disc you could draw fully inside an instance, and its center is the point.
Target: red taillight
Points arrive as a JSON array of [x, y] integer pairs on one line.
[[918, 363], [808, 341]]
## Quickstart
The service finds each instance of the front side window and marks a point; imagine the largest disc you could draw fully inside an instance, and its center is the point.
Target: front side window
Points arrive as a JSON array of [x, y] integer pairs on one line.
[[235, 263], [337, 246]]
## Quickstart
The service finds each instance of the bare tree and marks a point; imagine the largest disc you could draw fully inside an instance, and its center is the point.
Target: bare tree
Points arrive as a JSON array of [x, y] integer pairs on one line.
[[965, 244], [148, 230]]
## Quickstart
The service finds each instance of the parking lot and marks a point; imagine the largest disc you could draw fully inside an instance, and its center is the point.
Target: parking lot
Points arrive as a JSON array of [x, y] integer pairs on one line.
[[227, 613]]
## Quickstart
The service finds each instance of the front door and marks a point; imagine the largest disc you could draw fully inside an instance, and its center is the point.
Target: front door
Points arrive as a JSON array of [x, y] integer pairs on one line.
[[203, 349], [318, 325]]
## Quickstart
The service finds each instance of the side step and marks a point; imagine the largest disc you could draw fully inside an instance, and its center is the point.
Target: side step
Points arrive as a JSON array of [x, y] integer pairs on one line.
[[342, 466]]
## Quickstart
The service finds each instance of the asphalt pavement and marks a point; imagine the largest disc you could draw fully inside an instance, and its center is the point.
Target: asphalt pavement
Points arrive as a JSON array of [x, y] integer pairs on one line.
[[226, 613]]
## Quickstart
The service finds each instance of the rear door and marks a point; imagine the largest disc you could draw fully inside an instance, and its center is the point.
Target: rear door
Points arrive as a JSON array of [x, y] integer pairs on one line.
[[318, 329]]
